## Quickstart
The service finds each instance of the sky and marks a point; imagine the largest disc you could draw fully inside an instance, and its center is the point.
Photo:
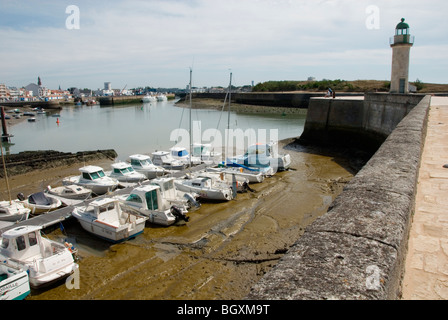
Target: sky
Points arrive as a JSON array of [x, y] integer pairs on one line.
[[155, 43]]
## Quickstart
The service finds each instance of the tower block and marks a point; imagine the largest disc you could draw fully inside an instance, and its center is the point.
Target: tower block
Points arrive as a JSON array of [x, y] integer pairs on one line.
[[401, 44]]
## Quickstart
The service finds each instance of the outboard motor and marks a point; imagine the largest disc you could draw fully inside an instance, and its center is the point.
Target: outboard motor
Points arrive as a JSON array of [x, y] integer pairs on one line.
[[178, 214], [246, 187], [191, 200]]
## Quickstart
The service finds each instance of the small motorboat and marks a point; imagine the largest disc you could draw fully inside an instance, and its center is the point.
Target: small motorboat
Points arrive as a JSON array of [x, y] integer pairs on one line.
[[107, 219], [262, 157], [143, 164], [93, 178], [149, 98], [39, 203], [181, 154], [206, 153], [165, 160], [174, 196], [14, 282], [232, 180], [13, 211], [44, 260], [207, 188], [70, 192], [253, 176], [148, 201], [124, 172], [161, 97]]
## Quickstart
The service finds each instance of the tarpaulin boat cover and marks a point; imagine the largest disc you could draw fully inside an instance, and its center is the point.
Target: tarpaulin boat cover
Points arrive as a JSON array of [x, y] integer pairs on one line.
[[39, 198]]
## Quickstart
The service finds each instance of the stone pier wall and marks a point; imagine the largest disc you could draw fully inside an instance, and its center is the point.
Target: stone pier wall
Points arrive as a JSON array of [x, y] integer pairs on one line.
[[357, 249]]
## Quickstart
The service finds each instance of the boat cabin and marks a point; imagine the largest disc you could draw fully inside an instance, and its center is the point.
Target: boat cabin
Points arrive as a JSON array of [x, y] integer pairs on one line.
[[122, 168], [166, 185], [105, 210], [22, 243], [140, 160], [92, 173], [161, 157], [179, 153], [202, 182], [146, 197]]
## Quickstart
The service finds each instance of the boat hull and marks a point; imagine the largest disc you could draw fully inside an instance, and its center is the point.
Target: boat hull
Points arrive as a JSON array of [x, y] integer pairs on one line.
[[205, 193], [109, 232], [15, 287]]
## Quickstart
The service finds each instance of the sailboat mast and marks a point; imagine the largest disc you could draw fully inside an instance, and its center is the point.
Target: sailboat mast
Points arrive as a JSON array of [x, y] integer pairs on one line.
[[228, 115], [6, 173], [191, 137]]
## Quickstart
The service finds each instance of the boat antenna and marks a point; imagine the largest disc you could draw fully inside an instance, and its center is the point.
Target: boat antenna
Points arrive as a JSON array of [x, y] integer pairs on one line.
[[191, 71], [228, 115]]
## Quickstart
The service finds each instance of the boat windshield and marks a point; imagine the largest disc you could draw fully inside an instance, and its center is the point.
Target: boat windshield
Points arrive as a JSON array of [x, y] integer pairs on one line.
[[146, 162], [134, 198], [181, 153], [97, 175], [5, 243]]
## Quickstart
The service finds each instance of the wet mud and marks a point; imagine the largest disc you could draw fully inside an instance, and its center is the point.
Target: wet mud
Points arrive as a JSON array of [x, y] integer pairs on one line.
[[223, 250]]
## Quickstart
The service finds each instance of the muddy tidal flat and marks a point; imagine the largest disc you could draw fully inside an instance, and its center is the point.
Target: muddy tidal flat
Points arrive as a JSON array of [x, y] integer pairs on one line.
[[222, 251]]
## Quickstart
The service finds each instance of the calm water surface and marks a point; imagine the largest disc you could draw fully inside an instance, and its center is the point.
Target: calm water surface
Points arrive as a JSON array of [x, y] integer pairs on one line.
[[137, 128]]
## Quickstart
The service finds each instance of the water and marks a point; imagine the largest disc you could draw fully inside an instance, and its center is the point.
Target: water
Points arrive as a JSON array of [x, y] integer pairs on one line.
[[139, 128]]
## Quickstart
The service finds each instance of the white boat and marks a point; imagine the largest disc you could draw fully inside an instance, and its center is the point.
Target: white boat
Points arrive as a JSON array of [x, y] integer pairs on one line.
[[205, 153], [13, 211], [46, 261], [174, 196], [207, 188], [149, 98], [14, 282], [251, 176], [124, 172], [107, 219], [165, 160], [148, 201], [93, 178], [39, 203], [181, 154], [143, 164], [233, 181], [161, 97], [261, 156], [70, 192]]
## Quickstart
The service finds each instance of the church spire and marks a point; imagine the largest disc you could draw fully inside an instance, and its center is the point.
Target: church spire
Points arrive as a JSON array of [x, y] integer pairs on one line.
[[39, 83]]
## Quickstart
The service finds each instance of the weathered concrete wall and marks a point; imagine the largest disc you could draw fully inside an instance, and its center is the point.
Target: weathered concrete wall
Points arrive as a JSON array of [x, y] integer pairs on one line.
[[364, 123], [273, 99], [357, 249]]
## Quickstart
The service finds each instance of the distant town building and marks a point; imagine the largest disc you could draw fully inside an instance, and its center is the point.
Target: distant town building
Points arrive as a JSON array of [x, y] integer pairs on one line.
[[3, 96], [33, 88]]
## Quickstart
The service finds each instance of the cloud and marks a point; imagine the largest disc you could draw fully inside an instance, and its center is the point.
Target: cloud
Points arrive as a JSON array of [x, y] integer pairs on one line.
[[155, 42]]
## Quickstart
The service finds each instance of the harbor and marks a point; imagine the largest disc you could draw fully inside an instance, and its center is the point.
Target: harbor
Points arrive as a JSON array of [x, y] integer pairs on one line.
[[222, 250]]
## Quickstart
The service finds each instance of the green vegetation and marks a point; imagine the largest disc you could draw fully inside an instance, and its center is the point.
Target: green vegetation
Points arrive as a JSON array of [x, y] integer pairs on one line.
[[322, 85]]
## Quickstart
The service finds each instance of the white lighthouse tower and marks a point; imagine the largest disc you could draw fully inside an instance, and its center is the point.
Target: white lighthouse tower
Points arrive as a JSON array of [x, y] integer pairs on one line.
[[401, 44]]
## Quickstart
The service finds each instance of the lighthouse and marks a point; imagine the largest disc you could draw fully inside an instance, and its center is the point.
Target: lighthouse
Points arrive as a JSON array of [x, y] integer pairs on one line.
[[401, 44]]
